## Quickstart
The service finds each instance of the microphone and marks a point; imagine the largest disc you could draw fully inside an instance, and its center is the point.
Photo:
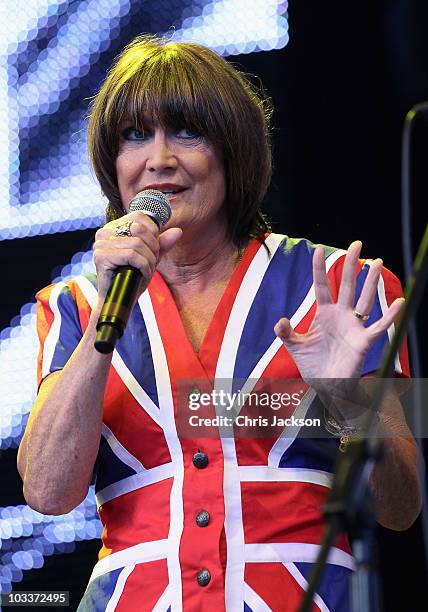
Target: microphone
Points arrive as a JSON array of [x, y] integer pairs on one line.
[[123, 289]]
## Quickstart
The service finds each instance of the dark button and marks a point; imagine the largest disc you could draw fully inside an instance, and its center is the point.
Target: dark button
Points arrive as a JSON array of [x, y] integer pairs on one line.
[[200, 460], [202, 518], [204, 577]]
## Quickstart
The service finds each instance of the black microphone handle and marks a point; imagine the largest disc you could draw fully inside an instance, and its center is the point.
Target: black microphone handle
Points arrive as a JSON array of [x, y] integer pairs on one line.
[[117, 308]]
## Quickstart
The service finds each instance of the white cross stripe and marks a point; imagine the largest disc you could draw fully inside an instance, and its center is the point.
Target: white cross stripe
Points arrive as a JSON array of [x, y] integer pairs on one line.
[[263, 473], [166, 409], [391, 329], [120, 451], [163, 602], [295, 552], [118, 589], [53, 335], [301, 580], [254, 601], [132, 483], [140, 553]]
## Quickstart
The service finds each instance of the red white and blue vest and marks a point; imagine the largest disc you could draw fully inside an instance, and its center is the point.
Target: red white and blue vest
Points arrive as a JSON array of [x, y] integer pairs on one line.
[[262, 496]]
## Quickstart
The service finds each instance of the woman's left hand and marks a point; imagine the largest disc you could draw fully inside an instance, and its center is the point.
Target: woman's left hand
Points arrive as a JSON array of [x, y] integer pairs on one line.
[[337, 341]]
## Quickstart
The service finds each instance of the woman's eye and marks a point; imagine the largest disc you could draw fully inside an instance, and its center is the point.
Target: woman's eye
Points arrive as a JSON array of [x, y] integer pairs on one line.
[[188, 133], [132, 133]]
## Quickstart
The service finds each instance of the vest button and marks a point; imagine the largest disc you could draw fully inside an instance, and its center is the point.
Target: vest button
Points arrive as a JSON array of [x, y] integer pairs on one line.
[[200, 460], [204, 577], [202, 518]]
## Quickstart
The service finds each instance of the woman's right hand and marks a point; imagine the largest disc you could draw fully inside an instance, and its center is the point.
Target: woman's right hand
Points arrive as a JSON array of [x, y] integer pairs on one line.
[[142, 250]]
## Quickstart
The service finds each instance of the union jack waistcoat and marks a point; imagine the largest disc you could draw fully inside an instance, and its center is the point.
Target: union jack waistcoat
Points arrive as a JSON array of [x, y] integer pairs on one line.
[[209, 523]]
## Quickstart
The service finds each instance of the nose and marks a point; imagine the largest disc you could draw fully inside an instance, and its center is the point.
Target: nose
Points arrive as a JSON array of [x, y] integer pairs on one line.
[[160, 154]]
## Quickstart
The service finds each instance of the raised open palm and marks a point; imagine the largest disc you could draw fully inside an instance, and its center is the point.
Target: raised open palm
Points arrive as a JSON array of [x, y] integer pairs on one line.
[[337, 341]]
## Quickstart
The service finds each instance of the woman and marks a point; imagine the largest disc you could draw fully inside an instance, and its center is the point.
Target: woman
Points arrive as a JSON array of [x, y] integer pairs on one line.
[[203, 523]]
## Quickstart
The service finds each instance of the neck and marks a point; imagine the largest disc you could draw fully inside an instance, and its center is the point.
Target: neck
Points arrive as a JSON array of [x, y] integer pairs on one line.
[[199, 263]]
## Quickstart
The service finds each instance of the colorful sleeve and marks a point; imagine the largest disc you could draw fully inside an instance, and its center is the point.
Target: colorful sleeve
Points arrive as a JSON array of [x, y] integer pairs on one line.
[[389, 288], [58, 327]]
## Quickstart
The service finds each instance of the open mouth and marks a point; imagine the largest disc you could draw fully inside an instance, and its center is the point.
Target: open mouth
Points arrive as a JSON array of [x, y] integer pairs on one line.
[[170, 192]]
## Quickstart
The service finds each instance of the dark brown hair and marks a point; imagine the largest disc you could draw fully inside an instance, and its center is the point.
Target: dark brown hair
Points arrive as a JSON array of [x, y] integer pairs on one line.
[[187, 85]]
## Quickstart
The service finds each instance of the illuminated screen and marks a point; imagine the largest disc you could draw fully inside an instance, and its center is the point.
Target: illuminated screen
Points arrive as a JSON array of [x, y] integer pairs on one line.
[[53, 56]]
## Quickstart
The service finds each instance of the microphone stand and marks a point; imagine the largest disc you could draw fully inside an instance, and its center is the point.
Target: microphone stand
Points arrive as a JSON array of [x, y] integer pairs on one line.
[[349, 505]]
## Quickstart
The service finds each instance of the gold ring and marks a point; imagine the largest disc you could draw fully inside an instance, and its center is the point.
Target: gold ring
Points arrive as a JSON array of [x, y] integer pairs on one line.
[[362, 317], [124, 229]]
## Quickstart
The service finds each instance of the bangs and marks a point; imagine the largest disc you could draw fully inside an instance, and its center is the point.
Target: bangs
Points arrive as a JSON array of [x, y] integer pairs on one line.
[[185, 85], [167, 89]]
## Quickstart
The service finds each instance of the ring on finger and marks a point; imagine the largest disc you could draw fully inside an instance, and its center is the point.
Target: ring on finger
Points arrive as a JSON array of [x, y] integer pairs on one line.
[[362, 317], [124, 229]]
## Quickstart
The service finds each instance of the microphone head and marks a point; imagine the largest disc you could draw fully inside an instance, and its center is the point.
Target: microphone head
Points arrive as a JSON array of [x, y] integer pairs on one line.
[[154, 204]]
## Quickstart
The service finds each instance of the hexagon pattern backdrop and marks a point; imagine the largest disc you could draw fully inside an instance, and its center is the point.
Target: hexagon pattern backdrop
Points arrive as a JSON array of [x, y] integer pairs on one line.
[[53, 56]]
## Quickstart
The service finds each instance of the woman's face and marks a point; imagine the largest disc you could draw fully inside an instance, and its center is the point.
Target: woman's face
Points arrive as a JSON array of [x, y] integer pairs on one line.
[[180, 163]]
